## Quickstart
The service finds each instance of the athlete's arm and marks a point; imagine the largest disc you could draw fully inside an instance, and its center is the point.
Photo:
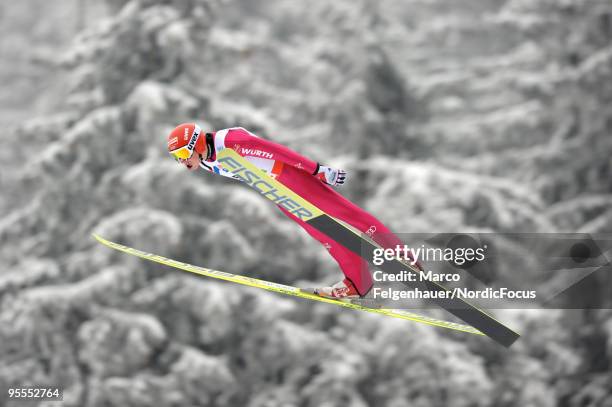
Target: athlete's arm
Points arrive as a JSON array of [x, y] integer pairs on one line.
[[246, 143]]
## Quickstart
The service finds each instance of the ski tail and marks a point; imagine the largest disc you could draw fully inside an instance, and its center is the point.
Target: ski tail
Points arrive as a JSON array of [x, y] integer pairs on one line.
[[460, 308]]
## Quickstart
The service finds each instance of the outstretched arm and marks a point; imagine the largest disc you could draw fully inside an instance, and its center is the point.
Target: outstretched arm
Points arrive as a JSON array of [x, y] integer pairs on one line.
[[246, 143]]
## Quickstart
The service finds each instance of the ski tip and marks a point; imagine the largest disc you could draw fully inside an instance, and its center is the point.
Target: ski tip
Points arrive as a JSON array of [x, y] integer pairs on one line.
[[98, 237]]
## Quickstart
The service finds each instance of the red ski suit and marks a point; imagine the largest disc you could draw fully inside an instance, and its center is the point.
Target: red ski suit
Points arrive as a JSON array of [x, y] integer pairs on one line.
[[296, 172]]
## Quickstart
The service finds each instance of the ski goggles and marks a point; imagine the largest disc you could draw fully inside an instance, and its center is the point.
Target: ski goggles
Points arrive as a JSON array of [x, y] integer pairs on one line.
[[186, 151], [182, 153]]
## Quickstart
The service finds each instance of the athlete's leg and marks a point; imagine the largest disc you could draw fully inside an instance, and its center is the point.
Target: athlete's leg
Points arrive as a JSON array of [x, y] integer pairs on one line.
[[354, 267], [334, 204]]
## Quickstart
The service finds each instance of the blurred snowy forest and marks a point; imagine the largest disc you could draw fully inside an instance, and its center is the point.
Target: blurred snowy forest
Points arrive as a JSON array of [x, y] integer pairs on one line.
[[475, 115]]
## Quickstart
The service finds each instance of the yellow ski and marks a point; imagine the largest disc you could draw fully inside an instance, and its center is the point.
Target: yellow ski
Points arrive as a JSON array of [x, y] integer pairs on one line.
[[284, 289]]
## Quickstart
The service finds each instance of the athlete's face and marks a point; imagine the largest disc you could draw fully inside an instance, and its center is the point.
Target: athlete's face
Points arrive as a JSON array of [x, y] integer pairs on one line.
[[192, 163]]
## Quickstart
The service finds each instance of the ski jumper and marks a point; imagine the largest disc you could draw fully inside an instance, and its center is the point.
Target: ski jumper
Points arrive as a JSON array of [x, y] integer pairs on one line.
[[297, 173]]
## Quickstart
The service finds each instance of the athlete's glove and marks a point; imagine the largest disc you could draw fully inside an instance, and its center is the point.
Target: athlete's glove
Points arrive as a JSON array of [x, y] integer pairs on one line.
[[330, 176]]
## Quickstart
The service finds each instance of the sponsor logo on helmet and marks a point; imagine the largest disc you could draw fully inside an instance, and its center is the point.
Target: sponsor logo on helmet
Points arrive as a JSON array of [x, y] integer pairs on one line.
[[265, 188], [172, 141], [194, 138], [185, 133]]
